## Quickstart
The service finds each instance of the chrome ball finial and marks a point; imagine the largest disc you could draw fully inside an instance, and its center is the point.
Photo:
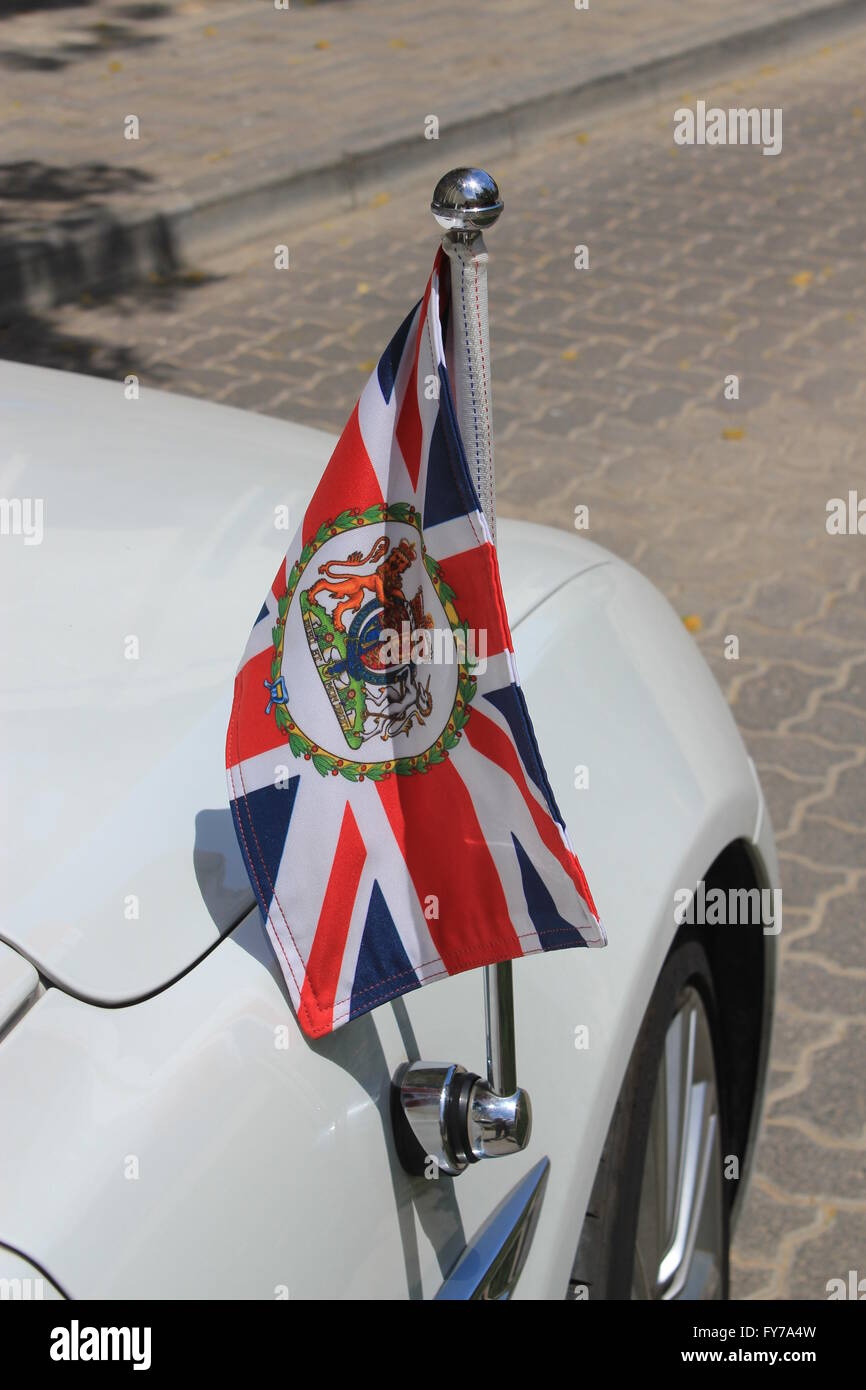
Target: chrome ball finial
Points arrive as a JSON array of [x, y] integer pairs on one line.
[[466, 201]]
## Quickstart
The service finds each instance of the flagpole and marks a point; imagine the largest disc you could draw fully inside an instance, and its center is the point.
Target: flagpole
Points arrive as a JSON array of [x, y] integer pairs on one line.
[[441, 1111], [466, 202]]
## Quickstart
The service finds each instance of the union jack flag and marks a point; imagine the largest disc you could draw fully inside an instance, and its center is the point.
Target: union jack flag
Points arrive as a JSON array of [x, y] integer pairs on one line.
[[387, 790]]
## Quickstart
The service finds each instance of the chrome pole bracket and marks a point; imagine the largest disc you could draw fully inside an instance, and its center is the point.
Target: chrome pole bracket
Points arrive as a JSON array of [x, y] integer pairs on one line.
[[446, 1117], [442, 1114]]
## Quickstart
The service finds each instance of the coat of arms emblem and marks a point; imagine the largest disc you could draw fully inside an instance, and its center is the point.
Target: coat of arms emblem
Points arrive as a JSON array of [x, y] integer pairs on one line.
[[371, 619]]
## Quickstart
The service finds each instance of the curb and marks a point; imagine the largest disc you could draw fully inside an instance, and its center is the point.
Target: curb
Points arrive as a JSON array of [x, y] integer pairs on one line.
[[60, 264]]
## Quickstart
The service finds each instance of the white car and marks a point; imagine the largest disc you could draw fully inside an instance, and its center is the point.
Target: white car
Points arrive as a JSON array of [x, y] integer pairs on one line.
[[167, 1130]]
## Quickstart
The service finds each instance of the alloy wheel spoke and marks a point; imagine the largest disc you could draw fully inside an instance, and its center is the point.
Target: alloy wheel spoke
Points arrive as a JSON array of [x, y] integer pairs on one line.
[[679, 1221]]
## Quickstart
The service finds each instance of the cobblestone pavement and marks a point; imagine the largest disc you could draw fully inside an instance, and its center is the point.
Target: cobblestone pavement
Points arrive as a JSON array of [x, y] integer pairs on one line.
[[229, 94], [608, 391]]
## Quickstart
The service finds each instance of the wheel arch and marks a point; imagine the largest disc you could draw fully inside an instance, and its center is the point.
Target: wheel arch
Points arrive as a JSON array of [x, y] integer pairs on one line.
[[743, 964]]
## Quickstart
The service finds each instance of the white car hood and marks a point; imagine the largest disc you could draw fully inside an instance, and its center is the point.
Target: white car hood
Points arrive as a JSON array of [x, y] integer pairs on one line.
[[118, 861]]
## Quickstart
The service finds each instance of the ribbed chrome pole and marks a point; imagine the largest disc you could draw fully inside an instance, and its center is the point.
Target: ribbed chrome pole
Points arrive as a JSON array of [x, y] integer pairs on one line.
[[465, 203], [443, 1113]]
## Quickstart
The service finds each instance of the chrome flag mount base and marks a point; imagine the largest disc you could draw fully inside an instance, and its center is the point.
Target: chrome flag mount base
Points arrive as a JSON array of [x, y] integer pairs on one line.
[[441, 1112], [447, 1115]]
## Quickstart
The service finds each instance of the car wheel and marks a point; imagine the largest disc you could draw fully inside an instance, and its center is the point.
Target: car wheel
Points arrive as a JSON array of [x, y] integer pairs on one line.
[[657, 1222]]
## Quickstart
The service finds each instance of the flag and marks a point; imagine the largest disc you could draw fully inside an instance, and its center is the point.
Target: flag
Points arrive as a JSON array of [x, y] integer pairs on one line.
[[387, 790]]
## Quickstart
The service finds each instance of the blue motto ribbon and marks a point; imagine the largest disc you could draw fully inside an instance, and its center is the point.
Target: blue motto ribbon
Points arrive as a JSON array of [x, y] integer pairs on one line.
[[277, 693]]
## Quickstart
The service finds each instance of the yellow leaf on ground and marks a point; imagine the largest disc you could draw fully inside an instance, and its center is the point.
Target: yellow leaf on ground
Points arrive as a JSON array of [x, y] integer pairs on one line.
[[582, 138], [322, 43], [397, 43], [115, 66], [362, 287], [569, 354], [380, 200], [692, 622], [733, 434], [209, 31], [802, 279], [368, 365]]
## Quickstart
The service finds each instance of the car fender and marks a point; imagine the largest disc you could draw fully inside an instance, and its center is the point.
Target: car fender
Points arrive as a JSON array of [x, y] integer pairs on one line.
[[196, 1144]]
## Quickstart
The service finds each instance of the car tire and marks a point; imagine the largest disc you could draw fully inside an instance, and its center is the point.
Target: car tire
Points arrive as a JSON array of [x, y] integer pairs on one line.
[[643, 1235]]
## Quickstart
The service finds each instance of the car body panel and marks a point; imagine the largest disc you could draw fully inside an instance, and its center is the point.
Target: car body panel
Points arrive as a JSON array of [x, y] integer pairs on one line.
[[19, 983], [20, 1281], [263, 1168]]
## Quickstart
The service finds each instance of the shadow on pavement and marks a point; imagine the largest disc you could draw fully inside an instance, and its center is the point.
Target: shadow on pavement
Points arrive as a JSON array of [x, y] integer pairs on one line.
[[90, 38], [31, 181], [13, 7], [77, 250], [36, 339], [75, 240]]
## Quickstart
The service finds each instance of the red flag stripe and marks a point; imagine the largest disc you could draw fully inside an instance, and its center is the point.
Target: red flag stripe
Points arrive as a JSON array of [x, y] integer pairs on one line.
[[488, 739], [256, 732], [435, 825], [349, 480], [329, 943], [278, 588], [409, 431], [473, 576]]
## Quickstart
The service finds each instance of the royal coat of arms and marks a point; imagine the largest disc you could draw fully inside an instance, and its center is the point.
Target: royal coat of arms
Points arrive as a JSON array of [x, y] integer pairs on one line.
[[373, 680]]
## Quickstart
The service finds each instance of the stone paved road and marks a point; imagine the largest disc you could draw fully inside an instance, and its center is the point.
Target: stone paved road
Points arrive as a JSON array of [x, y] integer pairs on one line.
[[229, 94], [608, 391]]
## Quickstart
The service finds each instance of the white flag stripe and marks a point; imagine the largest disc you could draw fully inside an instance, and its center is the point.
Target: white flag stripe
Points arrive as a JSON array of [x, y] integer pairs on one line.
[[265, 769], [287, 956], [308, 858], [264, 627], [453, 537], [385, 865], [262, 636], [377, 421], [428, 384], [354, 937], [397, 887], [491, 712], [499, 802], [496, 676]]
